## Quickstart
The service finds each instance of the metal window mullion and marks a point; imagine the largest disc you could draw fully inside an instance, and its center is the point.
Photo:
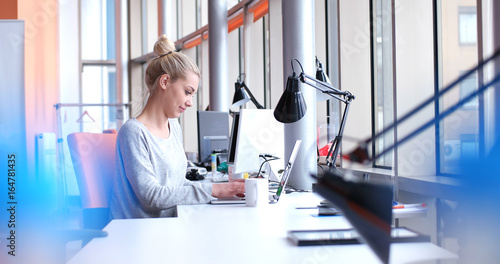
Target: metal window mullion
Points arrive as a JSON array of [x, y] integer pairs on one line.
[[480, 80], [373, 77], [98, 62], [80, 61], [437, 53], [327, 62], [387, 76], [394, 102]]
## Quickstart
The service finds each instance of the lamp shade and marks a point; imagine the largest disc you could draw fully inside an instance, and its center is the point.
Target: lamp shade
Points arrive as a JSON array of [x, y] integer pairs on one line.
[[321, 76], [241, 95], [291, 106]]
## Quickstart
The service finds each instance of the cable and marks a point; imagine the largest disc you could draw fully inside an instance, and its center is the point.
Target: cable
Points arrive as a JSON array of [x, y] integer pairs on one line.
[[264, 156], [321, 167], [290, 189]]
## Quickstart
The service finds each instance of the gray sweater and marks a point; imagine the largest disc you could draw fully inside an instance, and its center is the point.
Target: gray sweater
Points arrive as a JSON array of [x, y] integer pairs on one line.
[[150, 176]]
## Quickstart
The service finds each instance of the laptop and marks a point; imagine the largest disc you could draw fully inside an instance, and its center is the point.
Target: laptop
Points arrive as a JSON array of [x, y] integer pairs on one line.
[[273, 197]]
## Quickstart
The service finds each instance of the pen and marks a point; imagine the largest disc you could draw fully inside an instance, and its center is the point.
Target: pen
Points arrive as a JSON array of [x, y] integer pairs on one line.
[[400, 206]]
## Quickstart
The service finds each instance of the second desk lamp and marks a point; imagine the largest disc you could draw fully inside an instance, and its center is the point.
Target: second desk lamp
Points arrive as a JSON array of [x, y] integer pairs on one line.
[[292, 107], [367, 207], [242, 94]]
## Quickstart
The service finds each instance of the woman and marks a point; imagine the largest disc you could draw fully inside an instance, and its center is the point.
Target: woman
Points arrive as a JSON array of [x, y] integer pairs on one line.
[[151, 163]]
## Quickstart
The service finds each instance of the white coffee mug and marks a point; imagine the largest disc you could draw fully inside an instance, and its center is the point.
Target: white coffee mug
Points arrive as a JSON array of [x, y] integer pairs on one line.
[[256, 192]]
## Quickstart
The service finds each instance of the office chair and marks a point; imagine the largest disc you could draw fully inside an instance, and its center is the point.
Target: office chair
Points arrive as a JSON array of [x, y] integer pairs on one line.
[[93, 156]]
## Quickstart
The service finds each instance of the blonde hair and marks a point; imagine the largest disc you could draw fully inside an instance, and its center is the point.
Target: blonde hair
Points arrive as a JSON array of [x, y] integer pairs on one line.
[[167, 60]]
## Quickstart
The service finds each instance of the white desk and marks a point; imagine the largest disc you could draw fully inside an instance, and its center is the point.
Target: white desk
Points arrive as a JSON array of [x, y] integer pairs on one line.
[[238, 234]]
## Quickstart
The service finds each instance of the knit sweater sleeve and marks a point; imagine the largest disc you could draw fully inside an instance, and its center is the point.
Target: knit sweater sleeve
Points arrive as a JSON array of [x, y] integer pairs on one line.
[[152, 173]]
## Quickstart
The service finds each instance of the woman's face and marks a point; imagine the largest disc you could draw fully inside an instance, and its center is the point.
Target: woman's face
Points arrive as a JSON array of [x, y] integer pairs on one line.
[[179, 94]]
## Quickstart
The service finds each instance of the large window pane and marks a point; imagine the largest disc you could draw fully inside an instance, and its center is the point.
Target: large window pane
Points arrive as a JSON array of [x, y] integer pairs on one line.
[[256, 65], [189, 17], [383, 65], [99, 87], [355, 70], [98, 30], [415, 84], [149, 21], [467, 24], [233, 59], [460, 131], [98, 84]]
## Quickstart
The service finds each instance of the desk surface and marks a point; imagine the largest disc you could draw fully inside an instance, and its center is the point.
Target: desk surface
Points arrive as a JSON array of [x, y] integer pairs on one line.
[[238, 234]]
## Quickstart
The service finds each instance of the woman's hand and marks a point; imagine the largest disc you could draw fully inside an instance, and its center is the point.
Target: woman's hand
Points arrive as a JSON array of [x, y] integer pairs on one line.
[[229, 189]]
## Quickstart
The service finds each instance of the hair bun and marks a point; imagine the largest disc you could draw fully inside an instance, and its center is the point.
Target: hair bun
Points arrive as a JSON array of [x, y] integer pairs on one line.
[[163, 46]]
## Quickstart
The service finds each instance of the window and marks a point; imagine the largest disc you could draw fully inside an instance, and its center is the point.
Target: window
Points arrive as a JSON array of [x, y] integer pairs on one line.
[[383, 114], [460, 131], [467, 25], [98, 63], [468, 86], [414, 81]]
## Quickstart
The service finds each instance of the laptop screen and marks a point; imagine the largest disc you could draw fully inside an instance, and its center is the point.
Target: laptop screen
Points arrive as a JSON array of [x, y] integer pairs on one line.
[[288, 168]]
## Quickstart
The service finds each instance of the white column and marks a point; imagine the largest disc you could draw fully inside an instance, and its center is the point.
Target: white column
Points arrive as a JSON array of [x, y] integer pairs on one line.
[[217, 58], [122, 57], [298, 43]]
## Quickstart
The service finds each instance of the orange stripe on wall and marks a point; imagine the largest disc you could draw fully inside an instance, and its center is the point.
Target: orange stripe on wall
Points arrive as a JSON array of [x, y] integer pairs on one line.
[[257, 5], [235, 22], [8, 9], [261, 10], [193, 43]]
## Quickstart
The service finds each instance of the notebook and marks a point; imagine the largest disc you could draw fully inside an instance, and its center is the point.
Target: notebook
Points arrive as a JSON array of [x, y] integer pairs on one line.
[[273, 197]]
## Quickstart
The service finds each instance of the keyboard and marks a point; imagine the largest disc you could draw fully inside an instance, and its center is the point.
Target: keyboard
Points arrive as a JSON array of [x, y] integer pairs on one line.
[[217, 179]]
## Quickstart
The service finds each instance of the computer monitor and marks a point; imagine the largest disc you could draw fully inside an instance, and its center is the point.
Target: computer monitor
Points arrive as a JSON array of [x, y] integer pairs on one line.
[[213, 134], [233, 139], [258, 133]]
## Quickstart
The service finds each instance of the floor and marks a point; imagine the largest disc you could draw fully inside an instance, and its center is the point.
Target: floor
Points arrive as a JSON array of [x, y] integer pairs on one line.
[[74, 221], [71, 218]]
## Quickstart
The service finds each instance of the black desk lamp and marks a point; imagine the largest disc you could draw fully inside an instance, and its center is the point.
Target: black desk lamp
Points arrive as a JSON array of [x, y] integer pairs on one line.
[[368, 207], [242, 94], [292, 107]]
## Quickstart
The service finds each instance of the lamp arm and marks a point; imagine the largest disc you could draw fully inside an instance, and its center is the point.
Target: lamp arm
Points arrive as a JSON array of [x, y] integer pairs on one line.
[[331, 157], [309, 80], [343, 96], [252, 98]]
